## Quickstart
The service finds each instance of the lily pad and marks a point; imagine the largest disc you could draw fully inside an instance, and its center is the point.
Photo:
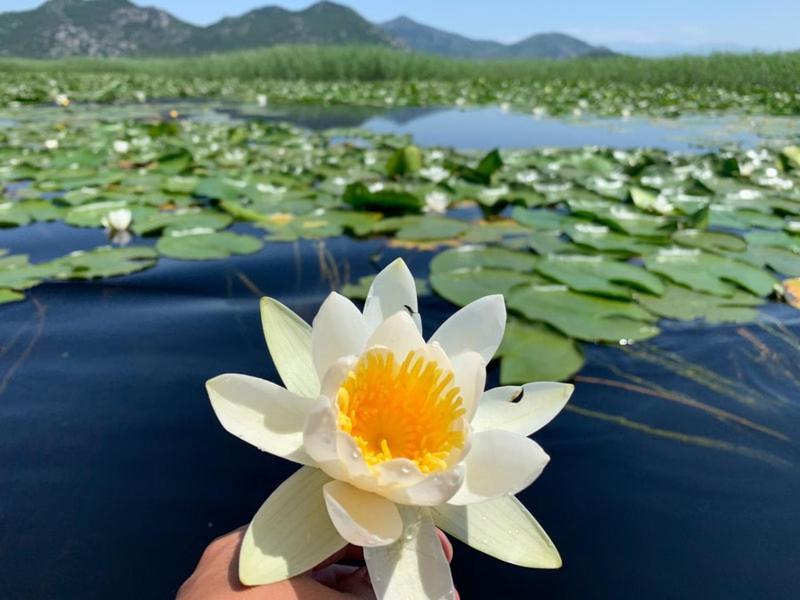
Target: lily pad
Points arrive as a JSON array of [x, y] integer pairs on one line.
[[709, 273], [205, 245], [480, 257], [533, 352], [7, 296], [678, 302], [104, 262], [582, 316], [593, 275], [462, 286]]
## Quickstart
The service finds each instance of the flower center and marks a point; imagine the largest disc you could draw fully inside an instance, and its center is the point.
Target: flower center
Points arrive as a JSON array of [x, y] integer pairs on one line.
[[401, 410]]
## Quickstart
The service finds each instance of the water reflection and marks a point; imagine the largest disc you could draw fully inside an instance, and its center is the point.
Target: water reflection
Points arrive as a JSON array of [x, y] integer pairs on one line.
[[662, 483]]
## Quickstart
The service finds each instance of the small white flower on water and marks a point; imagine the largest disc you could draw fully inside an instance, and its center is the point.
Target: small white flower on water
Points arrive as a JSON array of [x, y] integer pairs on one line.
[[51, 144], [396, 435], [140, 96], [436, 155], [538, 112], [117, 220], [436, 202], [262, 100], [121, 146], [435, 173], [370, 159], [62, 100], [527, 176], [375, 187]]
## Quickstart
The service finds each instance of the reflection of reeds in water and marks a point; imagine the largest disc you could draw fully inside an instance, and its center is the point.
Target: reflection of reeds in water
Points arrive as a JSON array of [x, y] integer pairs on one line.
[[697, 440], [782, 363]]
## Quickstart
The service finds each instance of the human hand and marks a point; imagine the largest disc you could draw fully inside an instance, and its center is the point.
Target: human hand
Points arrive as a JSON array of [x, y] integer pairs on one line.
[[216, 576]]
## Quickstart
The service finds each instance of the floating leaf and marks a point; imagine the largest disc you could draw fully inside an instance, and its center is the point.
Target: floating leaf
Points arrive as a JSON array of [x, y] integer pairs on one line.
[[404, 161], [386, 201], [678, 302], [104, 262], [593, 275], [582, 316], [7, 296], [462, 286], [206, 245], [709, 273], [713, 241], [480, 257], [532, 352]]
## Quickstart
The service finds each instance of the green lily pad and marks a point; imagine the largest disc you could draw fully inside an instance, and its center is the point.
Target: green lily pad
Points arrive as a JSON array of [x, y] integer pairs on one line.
[[533, 352], [593, 275], [104, 262], [359, 197], [709, 273], [7, 296], [205, 245], [582, 316], [678, 302], [17, 273], [433, 228], [713, 241], [480, 257], [462, 286]]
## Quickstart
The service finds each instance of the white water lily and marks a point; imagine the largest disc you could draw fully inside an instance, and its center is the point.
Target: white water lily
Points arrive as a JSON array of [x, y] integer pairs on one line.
[[121, 146], [117, 220], [436, 202], [395, 435]]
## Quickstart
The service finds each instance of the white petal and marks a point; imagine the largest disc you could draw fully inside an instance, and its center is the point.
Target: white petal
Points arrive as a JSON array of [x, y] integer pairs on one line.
[[399, 334], [338, 330], [399, 472], [319, 436], [502, 528], [537, 405], [289, 342], [362, 518], [261, 413], [499, 463], [478, 327], [469, 372], [393, 290], [414, 566], [352, 458], [335, 376], [433, 490], [291, 532]]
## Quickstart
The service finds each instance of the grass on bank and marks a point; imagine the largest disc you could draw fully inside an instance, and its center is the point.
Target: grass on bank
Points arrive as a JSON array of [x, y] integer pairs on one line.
[[777, 72]]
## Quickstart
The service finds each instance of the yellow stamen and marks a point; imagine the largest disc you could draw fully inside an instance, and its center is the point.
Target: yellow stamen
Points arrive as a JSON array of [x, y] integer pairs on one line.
[[401, 410]]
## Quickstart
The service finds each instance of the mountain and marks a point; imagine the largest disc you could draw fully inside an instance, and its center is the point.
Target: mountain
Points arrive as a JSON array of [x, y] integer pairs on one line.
[[61, 28], [114, 28], [423, 38], [322, 23], [117, 28]]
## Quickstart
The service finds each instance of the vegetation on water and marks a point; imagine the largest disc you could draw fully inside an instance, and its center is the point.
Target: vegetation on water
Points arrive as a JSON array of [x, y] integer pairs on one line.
[[586, 245], [758, 83]]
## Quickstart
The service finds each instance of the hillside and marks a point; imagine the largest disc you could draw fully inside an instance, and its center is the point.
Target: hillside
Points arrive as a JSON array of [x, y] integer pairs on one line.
[[94, 28], [324, 23], [423, 38], [120, 28]]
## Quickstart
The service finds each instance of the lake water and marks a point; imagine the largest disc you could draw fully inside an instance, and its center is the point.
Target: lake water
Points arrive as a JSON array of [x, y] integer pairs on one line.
[[115, 474]]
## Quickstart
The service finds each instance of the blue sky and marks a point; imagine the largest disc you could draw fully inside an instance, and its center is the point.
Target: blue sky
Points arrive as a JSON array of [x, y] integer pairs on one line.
[[767, 24]]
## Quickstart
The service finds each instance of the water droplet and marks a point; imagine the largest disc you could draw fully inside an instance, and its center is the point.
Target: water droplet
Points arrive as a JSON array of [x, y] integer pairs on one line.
[[355, 454], [405, 470]]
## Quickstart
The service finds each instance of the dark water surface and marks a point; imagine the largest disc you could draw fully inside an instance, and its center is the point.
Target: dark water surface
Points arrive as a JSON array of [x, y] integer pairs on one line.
[[115, 474]]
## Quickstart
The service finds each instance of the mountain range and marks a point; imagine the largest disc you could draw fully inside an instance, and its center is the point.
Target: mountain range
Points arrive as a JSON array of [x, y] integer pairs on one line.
[[119, 28]]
